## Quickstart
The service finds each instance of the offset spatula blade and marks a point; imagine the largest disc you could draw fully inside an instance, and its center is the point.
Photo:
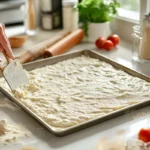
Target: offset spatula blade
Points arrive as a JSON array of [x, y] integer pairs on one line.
[[15, 74]]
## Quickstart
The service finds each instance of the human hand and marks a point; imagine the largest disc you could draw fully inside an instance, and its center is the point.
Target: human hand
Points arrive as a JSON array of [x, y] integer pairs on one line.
[[4, 43]]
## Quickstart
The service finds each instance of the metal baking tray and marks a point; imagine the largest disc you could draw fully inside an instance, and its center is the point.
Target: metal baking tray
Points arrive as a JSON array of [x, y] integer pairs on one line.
[[53, 60]]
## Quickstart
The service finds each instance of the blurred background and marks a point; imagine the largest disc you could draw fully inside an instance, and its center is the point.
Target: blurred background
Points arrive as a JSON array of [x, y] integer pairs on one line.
[[12, 11], [133, 5]]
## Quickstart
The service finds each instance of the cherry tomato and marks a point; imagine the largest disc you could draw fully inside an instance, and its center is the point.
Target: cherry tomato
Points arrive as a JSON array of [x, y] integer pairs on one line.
[[108, 45], [99, 42], [144, 135], [114, 38]]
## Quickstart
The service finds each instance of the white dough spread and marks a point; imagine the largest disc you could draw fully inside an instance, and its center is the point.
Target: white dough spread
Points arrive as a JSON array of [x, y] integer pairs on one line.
[[77, 90]]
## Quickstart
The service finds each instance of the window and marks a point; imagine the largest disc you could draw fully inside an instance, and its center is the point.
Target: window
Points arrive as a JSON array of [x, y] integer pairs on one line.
[[129, 9], [133, 5], [130, 13]]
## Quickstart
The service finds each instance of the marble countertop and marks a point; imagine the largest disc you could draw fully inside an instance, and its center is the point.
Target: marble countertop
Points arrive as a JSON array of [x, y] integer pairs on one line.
[[86, 139]]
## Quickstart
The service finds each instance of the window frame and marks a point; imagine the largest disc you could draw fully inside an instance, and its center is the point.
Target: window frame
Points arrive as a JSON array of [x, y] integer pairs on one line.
[[128, 15], [123, 26], [143, 9]]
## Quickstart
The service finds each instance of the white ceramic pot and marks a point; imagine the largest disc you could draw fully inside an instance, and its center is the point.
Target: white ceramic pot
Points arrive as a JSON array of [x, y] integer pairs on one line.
[[96, 30]]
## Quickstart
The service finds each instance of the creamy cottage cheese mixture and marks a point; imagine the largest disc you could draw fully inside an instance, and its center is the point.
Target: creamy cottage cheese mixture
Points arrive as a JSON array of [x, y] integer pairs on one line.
[[78, 90]]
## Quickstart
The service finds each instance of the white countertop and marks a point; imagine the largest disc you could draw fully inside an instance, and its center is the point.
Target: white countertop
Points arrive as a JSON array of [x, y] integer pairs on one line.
[[88, 138]]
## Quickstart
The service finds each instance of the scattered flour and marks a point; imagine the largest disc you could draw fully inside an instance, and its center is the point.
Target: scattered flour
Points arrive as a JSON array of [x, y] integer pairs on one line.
[[28, 148], [114, 144], [12, 132], [6, 103], [3, 127]]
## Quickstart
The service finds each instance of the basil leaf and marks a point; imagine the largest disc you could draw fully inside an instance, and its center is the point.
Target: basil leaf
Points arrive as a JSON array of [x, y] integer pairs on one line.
[[96, 11]]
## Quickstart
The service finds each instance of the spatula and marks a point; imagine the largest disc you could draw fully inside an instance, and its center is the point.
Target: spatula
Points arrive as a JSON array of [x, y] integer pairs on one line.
[[14, 73]]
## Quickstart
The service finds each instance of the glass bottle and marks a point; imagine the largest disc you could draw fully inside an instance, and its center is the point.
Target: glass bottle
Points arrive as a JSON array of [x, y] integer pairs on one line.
[[70, 15], [145, 47], [30, 18], [141, 44], [137, 42]]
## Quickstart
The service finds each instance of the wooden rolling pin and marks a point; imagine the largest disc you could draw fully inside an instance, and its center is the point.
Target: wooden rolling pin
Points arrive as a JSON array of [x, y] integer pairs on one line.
[[37, 51], [66, 43]]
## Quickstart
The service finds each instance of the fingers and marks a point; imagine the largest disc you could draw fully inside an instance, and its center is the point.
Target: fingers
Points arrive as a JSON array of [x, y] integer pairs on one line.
[[1, 68], [7, 58], [1, 48], [5, 42]]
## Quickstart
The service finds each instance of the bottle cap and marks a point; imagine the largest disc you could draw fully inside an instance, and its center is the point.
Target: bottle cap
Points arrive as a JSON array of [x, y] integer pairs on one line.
[[69, 2], [46, 5]]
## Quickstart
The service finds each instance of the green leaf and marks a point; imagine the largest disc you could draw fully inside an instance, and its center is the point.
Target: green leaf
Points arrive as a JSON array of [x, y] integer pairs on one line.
[[96, 11]]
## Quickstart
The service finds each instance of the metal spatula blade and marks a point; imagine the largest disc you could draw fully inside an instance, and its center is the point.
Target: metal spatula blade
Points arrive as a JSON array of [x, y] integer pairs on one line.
[[15, 74]]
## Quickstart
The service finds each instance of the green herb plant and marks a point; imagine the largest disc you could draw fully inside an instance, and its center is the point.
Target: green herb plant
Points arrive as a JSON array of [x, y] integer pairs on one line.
[[96, 11]]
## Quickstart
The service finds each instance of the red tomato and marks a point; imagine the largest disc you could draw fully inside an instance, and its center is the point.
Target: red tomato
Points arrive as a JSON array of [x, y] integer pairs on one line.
[[144, 135], [108, 45], [99, 42], [114, 38]]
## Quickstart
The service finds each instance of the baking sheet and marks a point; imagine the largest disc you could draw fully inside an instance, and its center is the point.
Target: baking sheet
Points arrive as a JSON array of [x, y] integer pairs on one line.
[[53, 60]]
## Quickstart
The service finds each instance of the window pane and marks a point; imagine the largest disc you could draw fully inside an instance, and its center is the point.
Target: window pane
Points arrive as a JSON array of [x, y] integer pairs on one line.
[[133, 5]]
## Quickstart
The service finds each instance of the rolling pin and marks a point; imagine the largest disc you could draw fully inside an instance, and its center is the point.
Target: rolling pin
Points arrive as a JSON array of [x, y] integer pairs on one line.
[[66, 43], [37, 50]]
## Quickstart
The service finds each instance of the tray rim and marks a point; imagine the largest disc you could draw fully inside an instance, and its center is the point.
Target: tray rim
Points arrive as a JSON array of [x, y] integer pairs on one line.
[[90, 122]]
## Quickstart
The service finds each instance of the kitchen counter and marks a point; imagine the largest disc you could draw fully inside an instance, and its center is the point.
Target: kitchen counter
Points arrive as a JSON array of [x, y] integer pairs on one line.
[[122, 54], [124, 126]]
